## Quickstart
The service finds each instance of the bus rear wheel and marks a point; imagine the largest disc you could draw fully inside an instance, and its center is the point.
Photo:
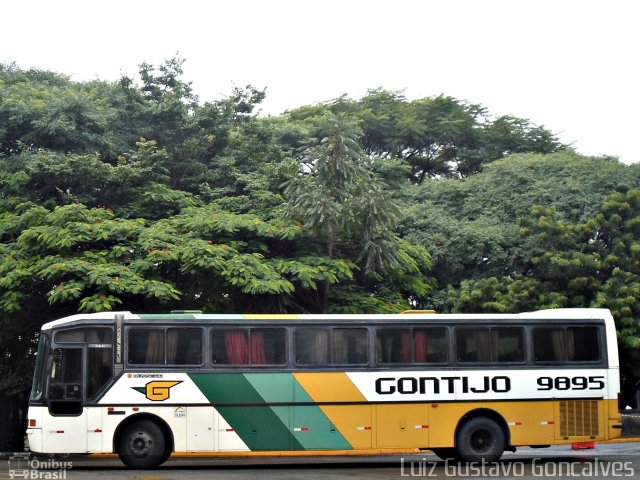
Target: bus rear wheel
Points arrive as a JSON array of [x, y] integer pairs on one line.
[[479, 439], [142, 445]]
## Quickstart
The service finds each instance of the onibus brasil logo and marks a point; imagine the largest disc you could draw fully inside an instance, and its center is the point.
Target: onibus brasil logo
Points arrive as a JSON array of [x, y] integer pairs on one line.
[[157, 390]]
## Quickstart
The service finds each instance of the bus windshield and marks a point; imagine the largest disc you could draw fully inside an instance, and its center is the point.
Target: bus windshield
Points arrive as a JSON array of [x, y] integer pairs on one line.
[[41, 361]]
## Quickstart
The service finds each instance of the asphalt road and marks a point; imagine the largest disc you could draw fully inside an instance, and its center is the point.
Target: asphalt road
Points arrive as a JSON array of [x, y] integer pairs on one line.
[[606, 461]]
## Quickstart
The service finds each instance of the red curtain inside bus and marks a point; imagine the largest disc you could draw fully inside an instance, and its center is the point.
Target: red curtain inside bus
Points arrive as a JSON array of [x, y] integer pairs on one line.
[[420, 340]]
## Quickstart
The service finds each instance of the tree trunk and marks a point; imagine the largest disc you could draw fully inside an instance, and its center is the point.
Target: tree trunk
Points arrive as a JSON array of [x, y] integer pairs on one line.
[[324, 306]]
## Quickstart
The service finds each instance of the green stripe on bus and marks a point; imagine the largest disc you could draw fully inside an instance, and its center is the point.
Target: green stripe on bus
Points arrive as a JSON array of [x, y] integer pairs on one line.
[[308, 424], [311, 426], [259, 427], [285, 427], [274, 388]]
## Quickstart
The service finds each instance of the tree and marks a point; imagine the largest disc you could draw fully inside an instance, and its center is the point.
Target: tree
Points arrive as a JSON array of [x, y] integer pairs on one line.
[[508, 134], [131, 187], [342, 205], [471, 227], [258, 156], [437, 136], [46, 110]]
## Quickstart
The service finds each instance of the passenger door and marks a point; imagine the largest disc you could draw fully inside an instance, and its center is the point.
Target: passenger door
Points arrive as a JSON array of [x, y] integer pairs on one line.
[[66, 427]]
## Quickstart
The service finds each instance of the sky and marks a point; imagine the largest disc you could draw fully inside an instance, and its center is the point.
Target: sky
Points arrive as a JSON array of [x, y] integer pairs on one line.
[[569, 65]]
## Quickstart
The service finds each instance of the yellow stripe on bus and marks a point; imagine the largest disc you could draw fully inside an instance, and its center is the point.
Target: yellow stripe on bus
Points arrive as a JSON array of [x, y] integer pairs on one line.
[[354, 422], [329, 387]]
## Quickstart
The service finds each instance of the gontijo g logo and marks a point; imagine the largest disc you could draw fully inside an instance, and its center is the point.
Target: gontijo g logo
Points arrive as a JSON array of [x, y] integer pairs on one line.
[[158, 390]]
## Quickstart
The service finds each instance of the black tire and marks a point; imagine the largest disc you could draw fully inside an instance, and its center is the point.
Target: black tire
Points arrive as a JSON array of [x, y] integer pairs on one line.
[[447, 453], [167, 453], [142, 445], [480, 439]]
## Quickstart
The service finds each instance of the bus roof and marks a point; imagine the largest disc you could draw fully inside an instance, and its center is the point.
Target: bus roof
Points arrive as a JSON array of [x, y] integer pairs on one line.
[[557, 314]]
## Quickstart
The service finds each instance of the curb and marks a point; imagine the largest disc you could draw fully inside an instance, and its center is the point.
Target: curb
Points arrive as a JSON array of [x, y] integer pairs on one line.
[[622, 440]]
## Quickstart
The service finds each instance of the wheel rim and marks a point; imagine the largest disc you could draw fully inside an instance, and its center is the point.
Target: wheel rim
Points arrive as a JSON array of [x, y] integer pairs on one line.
[[481, 440], [140, 444]]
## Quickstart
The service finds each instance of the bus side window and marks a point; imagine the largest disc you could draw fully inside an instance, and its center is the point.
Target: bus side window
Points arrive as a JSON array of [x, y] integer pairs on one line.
[[583, 344], [244, 346], [430, 345], [100, 369], [350, 346], [473, 345], [508, 344], [184, 346], [146, 346], [311, 346], [268, 346], [230, 346], [393, 345], [573, 344], [549, 344]]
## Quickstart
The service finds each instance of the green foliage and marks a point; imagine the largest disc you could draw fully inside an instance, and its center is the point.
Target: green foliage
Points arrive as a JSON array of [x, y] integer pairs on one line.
[[345, 208], [46, 110], [91, 259], [471, 227], [435, 136], [339, 200], [246, 178]]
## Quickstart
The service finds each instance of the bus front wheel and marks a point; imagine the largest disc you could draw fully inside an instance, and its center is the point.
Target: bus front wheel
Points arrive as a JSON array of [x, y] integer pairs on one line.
[[480, 438], [142, 445]]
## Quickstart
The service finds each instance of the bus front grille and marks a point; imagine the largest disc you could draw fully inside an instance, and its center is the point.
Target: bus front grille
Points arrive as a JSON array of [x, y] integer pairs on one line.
[[579, 418]]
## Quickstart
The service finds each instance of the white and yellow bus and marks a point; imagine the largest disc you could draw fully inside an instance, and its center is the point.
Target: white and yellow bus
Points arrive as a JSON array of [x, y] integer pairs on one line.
[[464, 386]]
